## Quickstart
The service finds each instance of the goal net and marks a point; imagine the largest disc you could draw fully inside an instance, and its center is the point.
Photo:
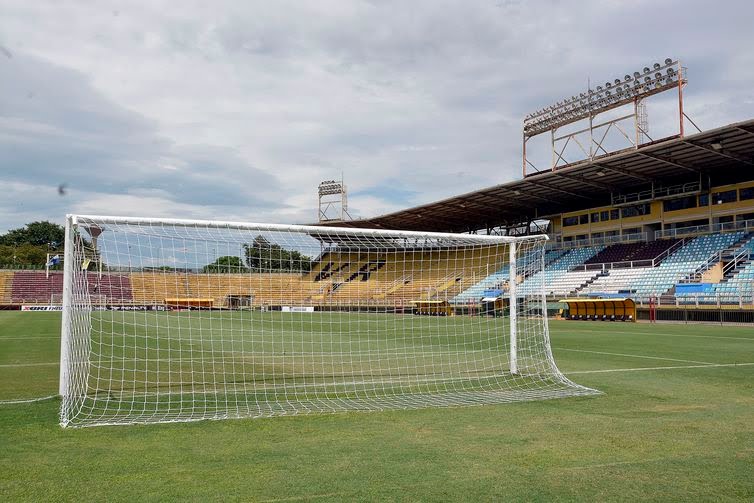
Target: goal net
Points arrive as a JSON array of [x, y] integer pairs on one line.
[[177, 320]]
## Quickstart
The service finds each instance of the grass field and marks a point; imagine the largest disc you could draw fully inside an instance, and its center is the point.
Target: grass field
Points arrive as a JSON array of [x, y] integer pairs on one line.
[[676, 423]]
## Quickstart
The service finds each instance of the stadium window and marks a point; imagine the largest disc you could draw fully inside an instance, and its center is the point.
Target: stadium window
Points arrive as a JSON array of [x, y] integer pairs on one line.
[[633, 230], [635, 211], [729, 196], [683, 203], [604, 216], [726, 219], [745, 217], [614, 214], [584, 219], [569, 221], [746, 194], [704, 200], [595, 217]]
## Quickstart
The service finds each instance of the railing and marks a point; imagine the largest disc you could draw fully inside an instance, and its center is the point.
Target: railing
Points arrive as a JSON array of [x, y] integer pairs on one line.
[[631, 263], [709, 262], [608, 240], [657, 193], [604, 266], [743, 255], [671, 250], [698, 230]]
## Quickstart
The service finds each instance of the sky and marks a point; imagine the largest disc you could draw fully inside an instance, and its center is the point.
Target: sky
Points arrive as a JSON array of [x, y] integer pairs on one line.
[[237, 110]]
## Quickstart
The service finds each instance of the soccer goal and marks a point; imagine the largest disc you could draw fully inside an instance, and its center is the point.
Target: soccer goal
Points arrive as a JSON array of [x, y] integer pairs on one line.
[[181, 320]]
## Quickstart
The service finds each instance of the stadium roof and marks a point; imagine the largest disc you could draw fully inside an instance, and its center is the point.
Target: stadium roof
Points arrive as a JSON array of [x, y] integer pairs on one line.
[[725, 154]]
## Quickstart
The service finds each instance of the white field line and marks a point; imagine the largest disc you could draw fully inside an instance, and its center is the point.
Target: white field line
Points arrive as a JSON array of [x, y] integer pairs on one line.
[[43, 364], [27, 338], [27, 400], [664, 334], [634, 356], [639, 369]]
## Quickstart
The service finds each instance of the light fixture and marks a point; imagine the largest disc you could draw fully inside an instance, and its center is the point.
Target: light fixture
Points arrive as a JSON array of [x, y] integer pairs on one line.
[[615, 92], [716, 145], [600, 172]]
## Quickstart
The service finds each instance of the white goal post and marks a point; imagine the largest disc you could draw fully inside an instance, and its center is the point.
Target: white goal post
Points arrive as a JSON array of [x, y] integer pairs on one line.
[[181, 320]]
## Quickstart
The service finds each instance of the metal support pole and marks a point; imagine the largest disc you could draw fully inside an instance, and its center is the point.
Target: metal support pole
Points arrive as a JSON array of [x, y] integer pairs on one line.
[[513, 309], [680, 98], [65, 335]]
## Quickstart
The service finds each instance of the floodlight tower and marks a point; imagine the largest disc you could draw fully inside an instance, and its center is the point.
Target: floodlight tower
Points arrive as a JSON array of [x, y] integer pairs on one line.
[[333, 201], [632, 89]]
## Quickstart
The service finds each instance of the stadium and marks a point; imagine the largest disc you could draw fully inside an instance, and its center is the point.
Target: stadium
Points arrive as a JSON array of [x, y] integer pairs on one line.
[[587, 326]]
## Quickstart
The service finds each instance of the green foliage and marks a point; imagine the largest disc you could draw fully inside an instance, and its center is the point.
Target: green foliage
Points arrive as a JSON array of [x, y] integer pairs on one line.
[[41, 233], [227, 264], [28, 246], [264, 256], [23, 255]]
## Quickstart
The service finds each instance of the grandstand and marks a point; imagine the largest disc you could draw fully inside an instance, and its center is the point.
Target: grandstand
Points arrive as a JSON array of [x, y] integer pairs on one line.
[[644, 222], [667, 223]]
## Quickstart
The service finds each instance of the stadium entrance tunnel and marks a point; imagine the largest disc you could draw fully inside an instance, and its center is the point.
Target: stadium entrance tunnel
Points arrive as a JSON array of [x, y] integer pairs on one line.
[[600, 309]]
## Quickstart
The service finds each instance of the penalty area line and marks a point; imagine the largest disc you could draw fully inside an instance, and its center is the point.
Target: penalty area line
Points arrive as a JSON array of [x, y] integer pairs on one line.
[[640, 369], [13, 365], [635, 356]]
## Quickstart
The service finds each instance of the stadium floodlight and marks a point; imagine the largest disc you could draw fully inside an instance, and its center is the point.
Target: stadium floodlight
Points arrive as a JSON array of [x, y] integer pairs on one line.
[[195, 320], [633, 88], [649, 81]]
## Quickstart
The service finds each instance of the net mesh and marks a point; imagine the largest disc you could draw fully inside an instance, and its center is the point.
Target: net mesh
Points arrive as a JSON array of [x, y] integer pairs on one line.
[[182, 321]]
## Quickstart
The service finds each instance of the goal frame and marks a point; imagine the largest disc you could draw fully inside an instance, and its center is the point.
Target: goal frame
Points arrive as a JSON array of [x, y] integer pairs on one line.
[[72, 221]]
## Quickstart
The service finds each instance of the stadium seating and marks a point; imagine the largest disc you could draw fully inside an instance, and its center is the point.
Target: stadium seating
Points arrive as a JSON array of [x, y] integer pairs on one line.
[[110, 288], [35, 287], [6, 287], [682, 263], [617, 281], [633, 252], [620, 252], [392, 279], [556, 277], [741, 284]]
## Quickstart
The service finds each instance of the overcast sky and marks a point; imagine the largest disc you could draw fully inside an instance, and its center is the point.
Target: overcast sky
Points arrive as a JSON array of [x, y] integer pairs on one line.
[[237, 110]]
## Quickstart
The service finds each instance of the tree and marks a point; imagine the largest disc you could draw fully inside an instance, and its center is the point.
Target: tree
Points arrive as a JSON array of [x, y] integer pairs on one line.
[[42, 233], [226, 264], [29, 245], [264, 256], [22, 255]]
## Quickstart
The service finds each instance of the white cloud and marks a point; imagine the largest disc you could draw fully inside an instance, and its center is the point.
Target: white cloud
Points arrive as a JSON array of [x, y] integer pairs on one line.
[[241, 108]]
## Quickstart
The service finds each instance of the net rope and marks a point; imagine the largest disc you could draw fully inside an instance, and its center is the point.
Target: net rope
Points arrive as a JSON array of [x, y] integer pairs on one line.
[[168, 321]]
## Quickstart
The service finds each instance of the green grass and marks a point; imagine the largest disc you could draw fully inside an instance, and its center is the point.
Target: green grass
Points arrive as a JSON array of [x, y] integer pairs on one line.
[[680, 433]]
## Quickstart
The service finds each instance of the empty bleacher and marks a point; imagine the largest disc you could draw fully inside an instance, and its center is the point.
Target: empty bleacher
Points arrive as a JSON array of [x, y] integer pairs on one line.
[[558, 278], [402, 276], [682, 263], [34, 287], [741, 281], [634, 254], [6, 287]]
